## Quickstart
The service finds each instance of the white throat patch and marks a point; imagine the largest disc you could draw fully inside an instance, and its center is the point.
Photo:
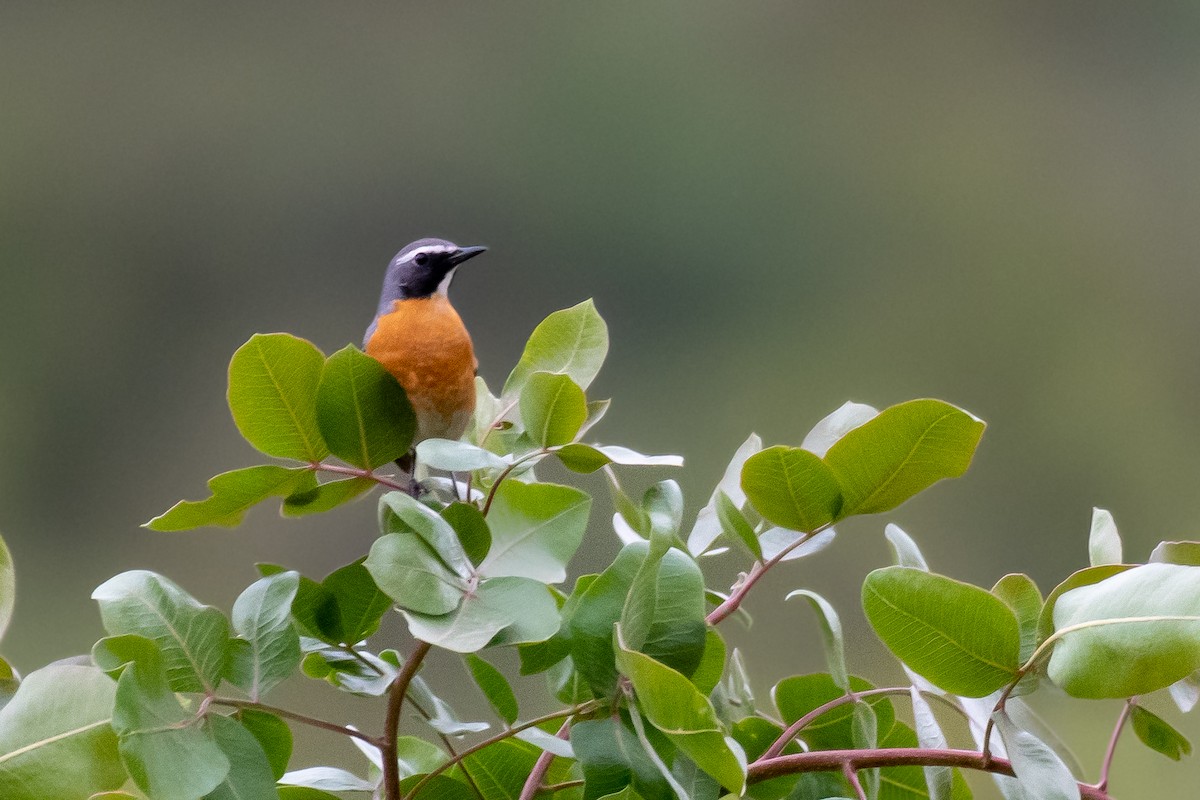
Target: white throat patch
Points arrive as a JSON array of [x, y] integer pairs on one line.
[[444, 287]]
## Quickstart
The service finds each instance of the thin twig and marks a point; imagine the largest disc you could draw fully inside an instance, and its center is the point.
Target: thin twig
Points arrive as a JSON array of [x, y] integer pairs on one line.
[[504, 473], [794, 729], [506, 734], [1106, 765], [292, 715], [388, 746], [836, 761], [760, 568], [551, 788], [852, 778], [338, 469], [533, 783]]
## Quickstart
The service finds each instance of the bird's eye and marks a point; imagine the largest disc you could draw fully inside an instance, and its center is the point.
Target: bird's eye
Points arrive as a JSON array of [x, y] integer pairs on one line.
[[421, 259]]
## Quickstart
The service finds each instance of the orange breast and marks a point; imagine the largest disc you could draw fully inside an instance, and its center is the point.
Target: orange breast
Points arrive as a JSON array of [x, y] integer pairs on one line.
[[424, 344]]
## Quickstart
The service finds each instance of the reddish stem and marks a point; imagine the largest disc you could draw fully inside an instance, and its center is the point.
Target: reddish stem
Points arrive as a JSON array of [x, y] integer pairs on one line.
[[839, 760]]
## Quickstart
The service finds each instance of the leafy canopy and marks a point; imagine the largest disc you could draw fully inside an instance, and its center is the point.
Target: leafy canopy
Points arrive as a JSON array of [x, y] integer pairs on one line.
[[175, 702]]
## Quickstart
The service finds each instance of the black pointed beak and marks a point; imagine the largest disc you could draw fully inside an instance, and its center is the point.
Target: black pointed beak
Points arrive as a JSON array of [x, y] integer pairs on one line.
[[463, 253]]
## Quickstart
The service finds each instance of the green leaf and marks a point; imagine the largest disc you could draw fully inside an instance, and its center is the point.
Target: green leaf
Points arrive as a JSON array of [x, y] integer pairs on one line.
[[585, 458], [663, 504], [360, 602], [455, 456], [273, 380], [1083, 577], [362, 411], [314, 609], [902, 451], [501, 611], [637, 614], [8, 587], [441, 787], [831, 635], [959, 637], [56, 742], [273, 735], [324, 497], [1037, 767], [1187, 553], [797, 696], [573, 342], [495, 688], [536, 528], [10, 680], [712, 663], [791, 488], [169, 752], [249, 776], [598, 606], [399, 512], [1132, 633], [553, 408], [1021, 594], [405, 567], [1104, 543], [193, 638], [471, 528], [707, 527], [1158, 735], [736, 527], [501, 769], [416, 756], [268, 650], [673, 705], [233, 494], [612, 759]]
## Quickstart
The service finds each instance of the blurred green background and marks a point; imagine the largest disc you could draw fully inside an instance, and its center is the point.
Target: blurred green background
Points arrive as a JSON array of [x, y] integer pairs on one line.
[[777, 206]]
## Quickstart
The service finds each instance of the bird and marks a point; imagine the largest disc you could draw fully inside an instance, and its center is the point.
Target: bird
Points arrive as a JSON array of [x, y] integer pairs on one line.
[[421, 340]]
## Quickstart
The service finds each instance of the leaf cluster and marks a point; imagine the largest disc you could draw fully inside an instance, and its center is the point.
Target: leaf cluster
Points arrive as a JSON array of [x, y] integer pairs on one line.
[[173, 704]]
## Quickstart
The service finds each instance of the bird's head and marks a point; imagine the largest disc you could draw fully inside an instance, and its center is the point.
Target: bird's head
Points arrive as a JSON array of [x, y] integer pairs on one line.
[[424, 268]]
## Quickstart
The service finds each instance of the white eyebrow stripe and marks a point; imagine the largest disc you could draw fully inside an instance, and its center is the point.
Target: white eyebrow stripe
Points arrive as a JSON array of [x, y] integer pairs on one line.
[[427, 249]]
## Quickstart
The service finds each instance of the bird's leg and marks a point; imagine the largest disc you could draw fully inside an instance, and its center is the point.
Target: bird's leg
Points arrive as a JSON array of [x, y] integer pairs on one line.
[[408, 466]]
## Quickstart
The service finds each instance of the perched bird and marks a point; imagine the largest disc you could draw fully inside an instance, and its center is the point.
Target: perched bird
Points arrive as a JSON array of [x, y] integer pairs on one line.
[[419, 338]]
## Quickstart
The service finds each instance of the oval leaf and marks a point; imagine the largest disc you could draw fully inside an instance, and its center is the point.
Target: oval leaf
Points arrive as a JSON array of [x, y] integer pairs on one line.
[[193, 638], [959, 637], [273, 380], [1159, 736], [495, 688], [553, 408], [56, 740], [1133, 633], [573, 342], [791, 488], [500, 611], [536, 528], [903, 450], [362, 411]]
